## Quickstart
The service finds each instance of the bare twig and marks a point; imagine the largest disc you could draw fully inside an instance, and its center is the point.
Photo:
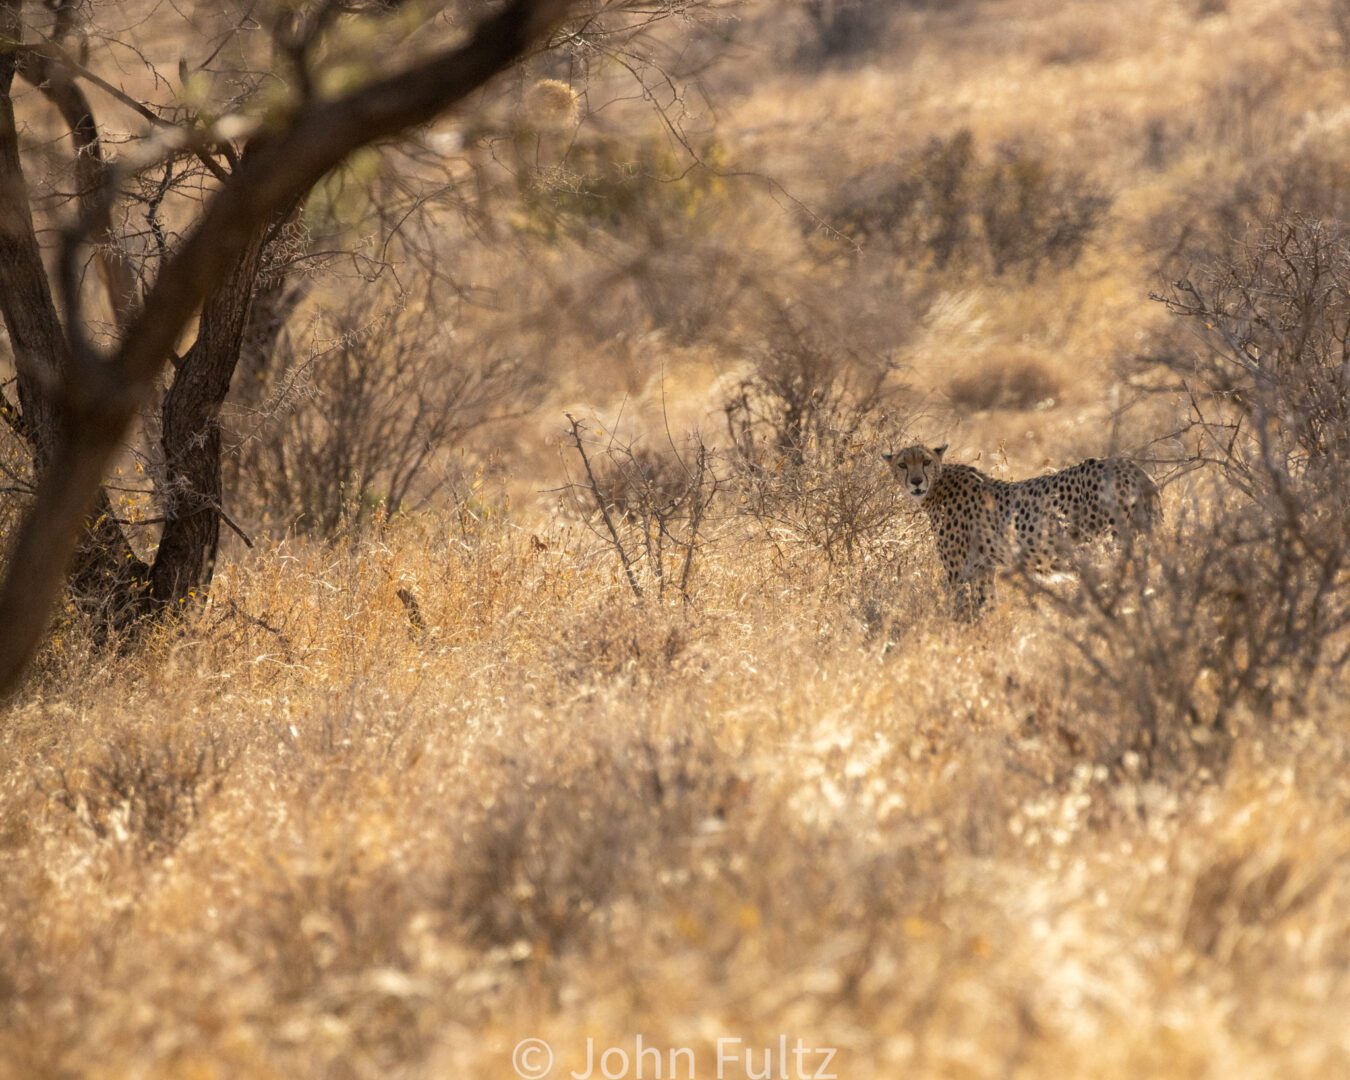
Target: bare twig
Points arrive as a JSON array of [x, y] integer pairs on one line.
[[602, 505]]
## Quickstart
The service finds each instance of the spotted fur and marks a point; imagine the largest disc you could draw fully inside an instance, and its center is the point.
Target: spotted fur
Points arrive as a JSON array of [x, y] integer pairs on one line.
[[981, 524]]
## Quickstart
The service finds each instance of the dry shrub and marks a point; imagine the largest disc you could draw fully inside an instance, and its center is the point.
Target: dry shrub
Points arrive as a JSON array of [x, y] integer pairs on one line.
[[1162, 140], [650, 508], [1014, 211], [839, 31], [620, 639], [1036, 213], [1212, 221], [807, 429], [919, 207], [689, 290], [639, 481], [1082, 37], [683, 290], [1248, 886], [1337, 16], [1013, 384], [644, 188], [1244, 615], [1244, 113], [146, 791], [1248, 611], [564, 841], [331, 915], [361, 419], [1270, 397], [655, 212]]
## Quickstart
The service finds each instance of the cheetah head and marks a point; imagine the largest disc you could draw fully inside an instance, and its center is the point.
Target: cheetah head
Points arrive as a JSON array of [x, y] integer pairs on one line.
[[916, 467]]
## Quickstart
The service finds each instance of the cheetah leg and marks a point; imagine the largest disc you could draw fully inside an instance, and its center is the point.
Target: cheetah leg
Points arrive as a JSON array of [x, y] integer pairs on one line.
[[956, 577], [974, 595], [964, 607], [984, 590]]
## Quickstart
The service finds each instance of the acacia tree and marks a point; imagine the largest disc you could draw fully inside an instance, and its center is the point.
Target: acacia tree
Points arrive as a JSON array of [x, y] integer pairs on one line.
[[78, 398]]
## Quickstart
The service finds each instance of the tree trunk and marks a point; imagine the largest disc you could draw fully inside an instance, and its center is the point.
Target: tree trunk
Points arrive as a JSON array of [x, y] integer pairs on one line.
[[274, 301], [192, 494], [104, 560], [41, 353]]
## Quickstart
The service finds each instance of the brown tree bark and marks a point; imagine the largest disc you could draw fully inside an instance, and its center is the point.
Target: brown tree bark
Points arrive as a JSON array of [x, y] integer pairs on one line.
[[41, 352], [57, 85], [105, 564], [192, 493]]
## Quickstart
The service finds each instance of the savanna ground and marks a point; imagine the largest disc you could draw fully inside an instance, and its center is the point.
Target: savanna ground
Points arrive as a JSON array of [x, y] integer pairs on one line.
[[411, 787]]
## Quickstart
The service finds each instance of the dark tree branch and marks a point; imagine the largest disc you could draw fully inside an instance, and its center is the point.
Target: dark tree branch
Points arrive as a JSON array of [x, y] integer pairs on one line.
[[52, 79], [40, 350], [50, 55]]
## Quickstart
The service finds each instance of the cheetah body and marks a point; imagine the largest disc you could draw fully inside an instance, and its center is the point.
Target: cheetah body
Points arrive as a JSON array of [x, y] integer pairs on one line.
[[981, 524]]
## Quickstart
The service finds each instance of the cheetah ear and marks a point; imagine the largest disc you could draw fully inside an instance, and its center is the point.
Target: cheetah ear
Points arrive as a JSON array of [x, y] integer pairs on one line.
[[938, 451]]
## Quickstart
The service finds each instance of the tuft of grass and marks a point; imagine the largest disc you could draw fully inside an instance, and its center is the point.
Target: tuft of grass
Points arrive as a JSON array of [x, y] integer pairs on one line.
[[1013, 384]]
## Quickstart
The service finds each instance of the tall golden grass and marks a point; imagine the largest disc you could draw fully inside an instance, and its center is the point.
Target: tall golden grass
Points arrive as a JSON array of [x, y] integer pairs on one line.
[[309, 830]]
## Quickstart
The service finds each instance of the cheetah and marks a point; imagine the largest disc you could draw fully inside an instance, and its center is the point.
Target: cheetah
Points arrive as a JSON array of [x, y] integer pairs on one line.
[[981, 523]]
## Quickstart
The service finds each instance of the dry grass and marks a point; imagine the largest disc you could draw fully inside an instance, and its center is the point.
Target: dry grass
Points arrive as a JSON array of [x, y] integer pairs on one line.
[[345, 846], [301, 833]]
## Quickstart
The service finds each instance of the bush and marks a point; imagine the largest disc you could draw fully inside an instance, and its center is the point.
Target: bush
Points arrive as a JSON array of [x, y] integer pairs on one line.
[[1271, 391], [1235, 623], [655, 213], [651, 509], [807, 428], [1011, 384], [1248, 613], [948, 205], [639, 187], [919, 207], [359, 420], [619, 639], [841, 30], [554, 847], [1209, 226], [147, 793], [1036, 214]]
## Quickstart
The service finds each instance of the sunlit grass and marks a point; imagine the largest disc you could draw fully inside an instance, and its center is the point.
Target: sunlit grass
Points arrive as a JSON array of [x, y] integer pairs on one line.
[[300, 833]]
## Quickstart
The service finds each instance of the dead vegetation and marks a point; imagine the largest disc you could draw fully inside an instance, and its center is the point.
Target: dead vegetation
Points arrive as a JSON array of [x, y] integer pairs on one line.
[[652, 723], [951, 204]]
